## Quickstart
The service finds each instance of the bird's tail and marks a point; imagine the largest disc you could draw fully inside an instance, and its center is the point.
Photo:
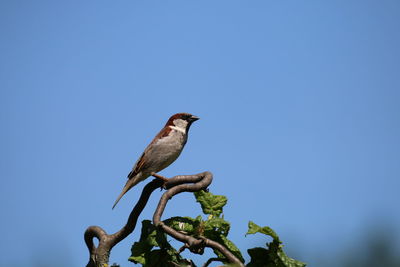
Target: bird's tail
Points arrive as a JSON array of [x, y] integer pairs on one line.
[[129, 184]]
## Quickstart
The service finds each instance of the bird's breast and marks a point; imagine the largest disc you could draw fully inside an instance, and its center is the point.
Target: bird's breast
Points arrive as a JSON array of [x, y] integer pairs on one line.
[[166, 150]]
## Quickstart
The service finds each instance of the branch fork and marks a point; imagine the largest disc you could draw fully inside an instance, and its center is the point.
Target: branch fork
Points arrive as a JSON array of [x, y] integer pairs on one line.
[[99, 256]]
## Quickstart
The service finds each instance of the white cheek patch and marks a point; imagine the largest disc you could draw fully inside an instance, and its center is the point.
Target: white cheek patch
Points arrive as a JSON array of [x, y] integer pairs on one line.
[[179, 129], [180, 123]]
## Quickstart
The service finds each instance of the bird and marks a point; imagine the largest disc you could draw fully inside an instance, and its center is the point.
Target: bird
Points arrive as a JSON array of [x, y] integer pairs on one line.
[[162, 151]]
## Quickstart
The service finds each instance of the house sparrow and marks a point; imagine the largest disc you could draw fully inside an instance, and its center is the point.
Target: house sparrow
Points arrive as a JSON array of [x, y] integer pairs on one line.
[[162, 151]]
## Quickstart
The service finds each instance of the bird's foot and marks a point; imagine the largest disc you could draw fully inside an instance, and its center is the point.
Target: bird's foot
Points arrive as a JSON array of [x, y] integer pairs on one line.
[[162, 178]]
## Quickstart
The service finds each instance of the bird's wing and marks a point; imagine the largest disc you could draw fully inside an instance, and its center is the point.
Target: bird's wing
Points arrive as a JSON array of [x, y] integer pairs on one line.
[[141, 163], [137, 167]]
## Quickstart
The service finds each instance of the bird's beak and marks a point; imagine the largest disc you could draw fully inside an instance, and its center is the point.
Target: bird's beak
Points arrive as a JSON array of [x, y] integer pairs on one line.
[[194, 118]]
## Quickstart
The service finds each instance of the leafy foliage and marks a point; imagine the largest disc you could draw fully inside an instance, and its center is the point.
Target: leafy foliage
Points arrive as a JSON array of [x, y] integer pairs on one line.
[[274, 255], [215, 227], [186, 224], [254, 228], [211, 204], [143, 252], [153, 248]]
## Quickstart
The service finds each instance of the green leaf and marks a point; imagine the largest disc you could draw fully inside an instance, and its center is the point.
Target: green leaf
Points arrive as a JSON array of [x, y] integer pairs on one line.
[[232, 247], [215, 229], [185, 224], [273, 256], [259, 257], [254, 228], [164, 257], [287, 261], [156, 258], [159, 258], [139, 250], [152, 235], [210, 204], [216, 226], [143, 252]]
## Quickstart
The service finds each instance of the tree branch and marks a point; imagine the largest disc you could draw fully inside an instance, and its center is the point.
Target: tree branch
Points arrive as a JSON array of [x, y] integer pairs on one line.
[[99, 256], [210, 260], [201, 181]]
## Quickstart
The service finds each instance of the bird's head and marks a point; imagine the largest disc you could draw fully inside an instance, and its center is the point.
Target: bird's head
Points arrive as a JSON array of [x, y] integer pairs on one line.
[[182, 121]]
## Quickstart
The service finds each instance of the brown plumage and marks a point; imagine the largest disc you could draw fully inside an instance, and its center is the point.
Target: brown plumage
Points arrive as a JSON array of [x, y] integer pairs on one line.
[[163, 150]]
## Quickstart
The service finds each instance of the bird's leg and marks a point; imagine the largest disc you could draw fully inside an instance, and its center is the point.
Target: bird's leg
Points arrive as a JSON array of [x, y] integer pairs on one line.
[[162, 178]]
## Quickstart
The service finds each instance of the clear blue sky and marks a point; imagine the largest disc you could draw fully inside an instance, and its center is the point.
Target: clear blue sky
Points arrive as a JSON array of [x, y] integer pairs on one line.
[[299, 104]]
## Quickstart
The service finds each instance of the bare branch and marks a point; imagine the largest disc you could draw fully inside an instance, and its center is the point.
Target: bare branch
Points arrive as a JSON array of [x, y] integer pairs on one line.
[[100, 255], [210, 260]]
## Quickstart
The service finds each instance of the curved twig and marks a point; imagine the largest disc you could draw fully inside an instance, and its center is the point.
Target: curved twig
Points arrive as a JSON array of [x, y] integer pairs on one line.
[[201, 181], [99, 256], [210, 260]]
